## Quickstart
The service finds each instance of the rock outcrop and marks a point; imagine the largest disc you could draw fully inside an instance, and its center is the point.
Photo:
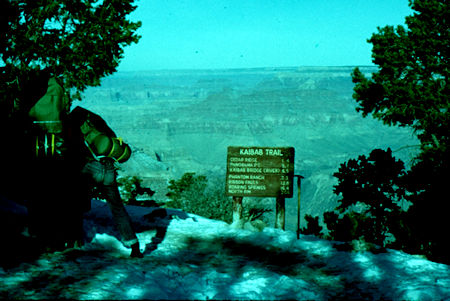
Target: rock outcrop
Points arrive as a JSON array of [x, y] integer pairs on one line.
[[189, 118]]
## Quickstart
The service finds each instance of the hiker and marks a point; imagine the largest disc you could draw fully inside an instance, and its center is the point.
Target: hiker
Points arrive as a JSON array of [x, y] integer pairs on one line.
[[54, 200], [63, 168], [103, 176], [102, 151]]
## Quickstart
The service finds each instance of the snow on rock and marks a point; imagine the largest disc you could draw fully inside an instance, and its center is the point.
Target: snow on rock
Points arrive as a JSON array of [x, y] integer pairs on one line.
[[191, 257]]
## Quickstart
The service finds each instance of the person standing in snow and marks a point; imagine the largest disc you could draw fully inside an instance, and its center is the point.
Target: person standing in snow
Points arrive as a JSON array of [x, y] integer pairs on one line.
[[99, 171], [102, 174], [50, 169], [61, 171]]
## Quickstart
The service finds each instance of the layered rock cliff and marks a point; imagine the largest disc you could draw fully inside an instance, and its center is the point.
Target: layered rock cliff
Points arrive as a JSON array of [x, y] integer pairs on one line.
[[183, 121]]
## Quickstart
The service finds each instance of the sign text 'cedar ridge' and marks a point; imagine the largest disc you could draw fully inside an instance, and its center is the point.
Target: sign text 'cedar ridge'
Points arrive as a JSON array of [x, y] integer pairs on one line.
[[260, 171]]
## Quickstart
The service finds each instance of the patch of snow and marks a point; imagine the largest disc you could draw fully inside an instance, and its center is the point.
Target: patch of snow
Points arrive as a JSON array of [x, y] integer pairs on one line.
[[191, 257]]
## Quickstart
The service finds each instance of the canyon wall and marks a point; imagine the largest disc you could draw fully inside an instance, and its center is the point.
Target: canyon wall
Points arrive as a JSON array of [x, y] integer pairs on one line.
[[183, 121]]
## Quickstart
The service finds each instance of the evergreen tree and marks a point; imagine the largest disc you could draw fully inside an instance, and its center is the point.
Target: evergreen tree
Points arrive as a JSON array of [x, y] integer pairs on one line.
[[195, 194], [410, 89], [312, 226], [372, 192], [411, 85], [79, 40]]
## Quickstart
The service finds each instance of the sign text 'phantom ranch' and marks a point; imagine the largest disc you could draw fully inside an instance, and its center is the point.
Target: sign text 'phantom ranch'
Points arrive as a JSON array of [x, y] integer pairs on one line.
[[260, 171]]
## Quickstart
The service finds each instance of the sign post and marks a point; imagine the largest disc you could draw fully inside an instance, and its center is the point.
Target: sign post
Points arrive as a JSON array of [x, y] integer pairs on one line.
[[237, 210], [280, 215], [299, 184], [260, 172]]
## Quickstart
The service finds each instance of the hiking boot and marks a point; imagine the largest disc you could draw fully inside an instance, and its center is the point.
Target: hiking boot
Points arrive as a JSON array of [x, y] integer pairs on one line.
[[135, 251]]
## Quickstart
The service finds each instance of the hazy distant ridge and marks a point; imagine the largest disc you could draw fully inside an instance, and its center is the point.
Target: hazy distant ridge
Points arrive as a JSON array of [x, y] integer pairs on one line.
[[189, 117]]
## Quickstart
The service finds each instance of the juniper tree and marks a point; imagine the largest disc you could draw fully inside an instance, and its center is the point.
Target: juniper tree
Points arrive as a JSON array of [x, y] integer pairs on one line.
[[372, 192], [411, 86], [410, 89], [79, 40]]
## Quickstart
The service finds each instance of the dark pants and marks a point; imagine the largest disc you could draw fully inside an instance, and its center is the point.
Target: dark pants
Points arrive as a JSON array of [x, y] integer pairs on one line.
[[102, 175], [54, 203]]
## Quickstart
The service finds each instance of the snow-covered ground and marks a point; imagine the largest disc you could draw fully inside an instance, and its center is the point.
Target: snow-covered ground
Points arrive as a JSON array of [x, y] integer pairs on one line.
[[190, 257]]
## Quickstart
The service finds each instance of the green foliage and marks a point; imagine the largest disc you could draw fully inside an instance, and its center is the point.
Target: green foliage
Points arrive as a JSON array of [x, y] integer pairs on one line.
[[195, 194], [349, 226], [312, 226], [427, 218], [77, 41], [411, 86], [411, 89], [187, 183], [81, 41], [372, 190], [192, 193], [131, 187], [255, 212], [375, 181]]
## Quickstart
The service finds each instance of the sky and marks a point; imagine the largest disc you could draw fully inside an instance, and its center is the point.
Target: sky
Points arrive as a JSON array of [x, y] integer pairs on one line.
[[216, 34]]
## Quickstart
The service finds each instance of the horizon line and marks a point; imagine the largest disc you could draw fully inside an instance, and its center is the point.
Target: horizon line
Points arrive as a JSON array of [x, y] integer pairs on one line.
[[247, 68]]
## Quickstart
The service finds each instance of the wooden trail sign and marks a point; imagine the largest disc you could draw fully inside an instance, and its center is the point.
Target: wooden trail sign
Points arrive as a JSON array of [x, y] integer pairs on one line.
[[260, 171]]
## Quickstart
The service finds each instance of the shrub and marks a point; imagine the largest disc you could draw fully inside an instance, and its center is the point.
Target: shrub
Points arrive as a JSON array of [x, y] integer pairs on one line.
[[254, 210], [195, 194], [312, 226], [372, 190], [349, 226], [130, 188], [192, 193]]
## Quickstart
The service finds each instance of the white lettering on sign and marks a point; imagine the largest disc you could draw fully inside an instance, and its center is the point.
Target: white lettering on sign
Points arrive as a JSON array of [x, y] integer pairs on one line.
[[239, 164], [259, 152], [234, 186], [251, 152], [238, 191], [237, 169], [256, 187], [273, 152], [236, 181], [271, 170], [233, 176], [256, 177], [251, 182], [236, 159], [259, 171], [255, 170]]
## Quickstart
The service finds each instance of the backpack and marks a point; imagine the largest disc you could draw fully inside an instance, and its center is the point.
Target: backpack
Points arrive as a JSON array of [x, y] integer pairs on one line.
[[99, 138], [47, 116]]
